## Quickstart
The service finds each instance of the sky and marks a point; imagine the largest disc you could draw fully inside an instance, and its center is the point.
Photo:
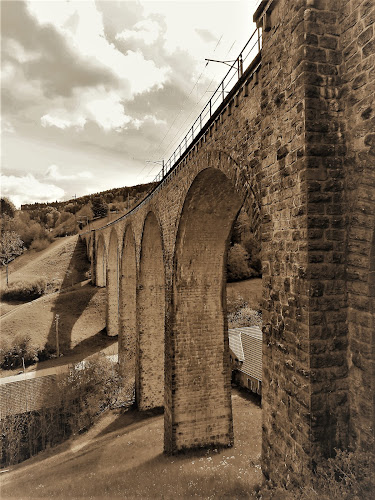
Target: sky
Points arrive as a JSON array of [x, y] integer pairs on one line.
[[92, 90]]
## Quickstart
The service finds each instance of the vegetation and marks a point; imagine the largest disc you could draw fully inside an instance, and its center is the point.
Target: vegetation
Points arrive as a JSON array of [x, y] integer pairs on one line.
[[19, 351], [11, 246], [348, 476], [83, 394], [244, 251], [24, 292], [240, 314]]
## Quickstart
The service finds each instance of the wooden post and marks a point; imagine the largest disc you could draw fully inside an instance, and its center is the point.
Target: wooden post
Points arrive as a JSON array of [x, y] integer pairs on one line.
[[57, 336]]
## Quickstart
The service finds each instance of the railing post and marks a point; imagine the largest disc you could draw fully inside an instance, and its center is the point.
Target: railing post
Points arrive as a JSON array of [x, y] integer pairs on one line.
[[258, 40], [222, 89], [210, 108], [163, 170]]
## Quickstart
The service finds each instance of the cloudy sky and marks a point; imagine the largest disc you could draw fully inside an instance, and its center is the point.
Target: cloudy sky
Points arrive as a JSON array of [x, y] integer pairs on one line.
[[93, 89]]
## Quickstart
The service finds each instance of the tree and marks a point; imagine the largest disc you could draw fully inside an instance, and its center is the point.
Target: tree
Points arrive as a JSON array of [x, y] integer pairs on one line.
[[99, 207], [237, 264], [7, 208], [11, 246]]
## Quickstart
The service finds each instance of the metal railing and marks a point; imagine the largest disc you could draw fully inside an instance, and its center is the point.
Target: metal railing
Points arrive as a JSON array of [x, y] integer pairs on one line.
[[235, 72]]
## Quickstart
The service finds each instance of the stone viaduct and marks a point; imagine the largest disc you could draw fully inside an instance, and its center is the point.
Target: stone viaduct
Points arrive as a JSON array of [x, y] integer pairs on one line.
[[294, 142]]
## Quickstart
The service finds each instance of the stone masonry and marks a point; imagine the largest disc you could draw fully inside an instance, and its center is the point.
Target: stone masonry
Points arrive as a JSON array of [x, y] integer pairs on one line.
[[294, 144]]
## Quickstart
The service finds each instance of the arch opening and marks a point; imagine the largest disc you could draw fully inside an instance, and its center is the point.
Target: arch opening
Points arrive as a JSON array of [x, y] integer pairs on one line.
[[198, 409], [150, 318], [113, 302], [128, 311], [101, 263]]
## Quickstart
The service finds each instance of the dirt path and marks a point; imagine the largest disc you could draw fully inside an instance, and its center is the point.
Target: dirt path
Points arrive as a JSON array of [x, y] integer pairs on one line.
[[122, 457]]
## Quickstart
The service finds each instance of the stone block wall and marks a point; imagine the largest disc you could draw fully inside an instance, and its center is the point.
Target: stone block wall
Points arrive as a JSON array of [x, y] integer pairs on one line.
[[357, 70], [294, 142]]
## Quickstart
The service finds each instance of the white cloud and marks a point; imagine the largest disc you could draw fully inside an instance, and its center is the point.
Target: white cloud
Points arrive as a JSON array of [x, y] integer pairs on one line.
[[96, 105], [28, 189], [146, 30], [56, 120], [6, 126], [53, 172], [88, 39]]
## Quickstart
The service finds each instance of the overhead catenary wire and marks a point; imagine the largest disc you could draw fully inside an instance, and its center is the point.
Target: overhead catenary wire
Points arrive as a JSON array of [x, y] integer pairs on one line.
[[173, 141], [157, 150]]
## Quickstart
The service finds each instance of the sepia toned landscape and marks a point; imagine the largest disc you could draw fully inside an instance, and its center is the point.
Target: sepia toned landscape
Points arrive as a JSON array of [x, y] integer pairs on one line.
[[205, 330]]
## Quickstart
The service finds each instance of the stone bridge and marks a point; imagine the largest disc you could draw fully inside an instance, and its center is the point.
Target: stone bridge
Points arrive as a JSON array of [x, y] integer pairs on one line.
[[294, 143]]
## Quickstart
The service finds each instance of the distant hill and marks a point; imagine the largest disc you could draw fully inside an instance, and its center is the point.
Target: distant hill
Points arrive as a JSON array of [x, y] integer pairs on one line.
[[114, 195]]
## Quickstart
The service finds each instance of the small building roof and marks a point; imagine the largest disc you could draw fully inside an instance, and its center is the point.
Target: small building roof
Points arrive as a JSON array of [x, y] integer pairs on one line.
[[247, 343]]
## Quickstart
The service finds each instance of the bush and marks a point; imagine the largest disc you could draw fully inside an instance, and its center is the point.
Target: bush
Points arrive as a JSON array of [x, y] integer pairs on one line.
[[24, 291], [39, 245], [348, 476], [245, 317], [240, 314], [237, 265], [11, 355]]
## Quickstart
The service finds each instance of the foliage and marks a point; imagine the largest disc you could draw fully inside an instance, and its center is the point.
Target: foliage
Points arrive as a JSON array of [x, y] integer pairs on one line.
[[244, 257], [240, 314], [85, 215], [99, 207], [237, 264], [7, 208], [82, 395], [348, 476], [39, 245], [11, 246], [24, 291], [66, 225], [11, 355]]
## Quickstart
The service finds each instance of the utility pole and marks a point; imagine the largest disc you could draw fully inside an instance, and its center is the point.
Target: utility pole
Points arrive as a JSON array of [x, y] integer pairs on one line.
[[57, 336]]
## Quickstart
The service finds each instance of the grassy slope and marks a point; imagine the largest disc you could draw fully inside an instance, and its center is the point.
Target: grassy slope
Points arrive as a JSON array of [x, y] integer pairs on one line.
[[122, 457], [249, 290], [81, 308]]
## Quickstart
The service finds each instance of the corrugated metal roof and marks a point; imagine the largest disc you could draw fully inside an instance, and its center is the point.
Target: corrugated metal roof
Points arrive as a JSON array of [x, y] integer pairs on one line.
[[235, 344], [251, 344]]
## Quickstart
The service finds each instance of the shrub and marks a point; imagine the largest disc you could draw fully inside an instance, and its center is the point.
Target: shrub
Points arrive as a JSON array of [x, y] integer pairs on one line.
[[237, 264], [40, 244], [245, 317], [24, 291], [11, 354], [348, 476]]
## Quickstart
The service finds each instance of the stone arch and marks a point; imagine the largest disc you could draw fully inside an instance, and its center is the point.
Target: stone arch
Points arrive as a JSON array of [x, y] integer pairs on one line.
[[198, 409], [128, 309], [113, 303], [150, 318], [101, 263]]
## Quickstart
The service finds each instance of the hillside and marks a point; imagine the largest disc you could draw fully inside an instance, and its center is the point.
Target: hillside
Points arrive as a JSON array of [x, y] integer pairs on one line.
[[80, 306], [122, 457]]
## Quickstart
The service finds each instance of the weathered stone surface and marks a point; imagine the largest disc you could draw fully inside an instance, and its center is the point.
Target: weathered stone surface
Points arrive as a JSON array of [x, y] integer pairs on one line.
[[297, 149]]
